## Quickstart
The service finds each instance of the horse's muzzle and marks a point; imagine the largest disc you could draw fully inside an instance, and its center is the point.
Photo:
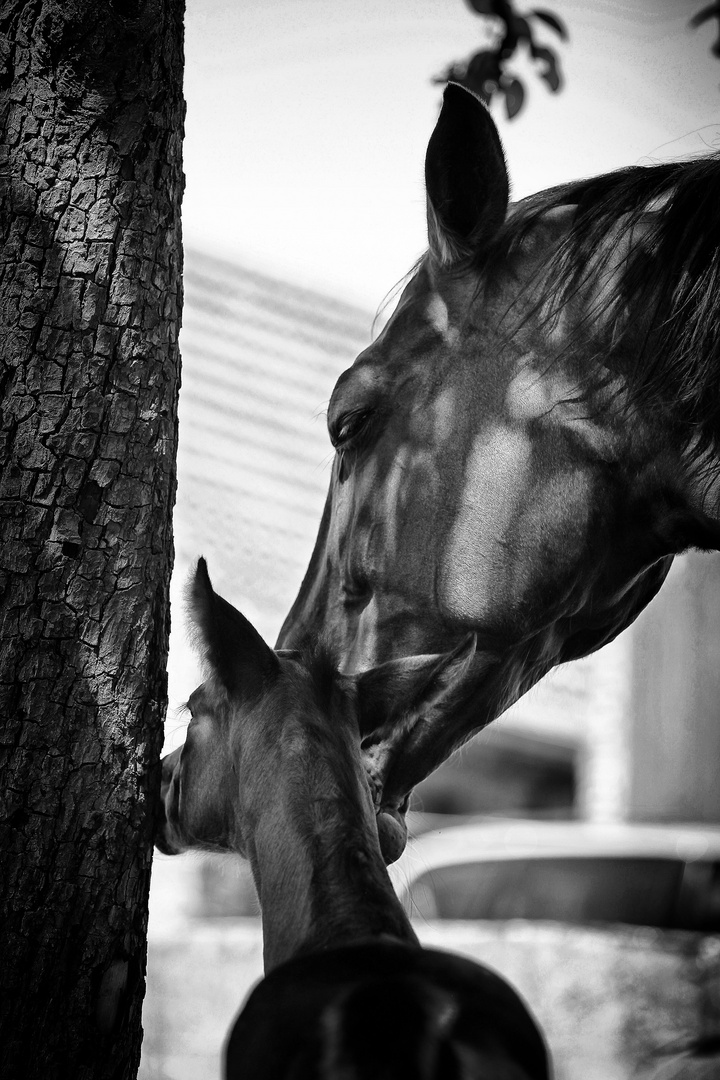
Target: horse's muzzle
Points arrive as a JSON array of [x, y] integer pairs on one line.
[[167, 819]]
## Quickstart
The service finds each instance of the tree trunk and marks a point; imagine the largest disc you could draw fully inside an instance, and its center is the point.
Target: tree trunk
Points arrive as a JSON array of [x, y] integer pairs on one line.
[[90, 263]]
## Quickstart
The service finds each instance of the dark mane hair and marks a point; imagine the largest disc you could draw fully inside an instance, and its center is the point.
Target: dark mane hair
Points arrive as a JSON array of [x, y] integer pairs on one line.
[[322, 666], [665, 316]]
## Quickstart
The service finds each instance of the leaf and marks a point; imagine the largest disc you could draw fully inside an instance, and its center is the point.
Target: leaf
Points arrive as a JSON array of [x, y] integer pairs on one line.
[[483, 7], [704, 15], [712, 11], [551, 20], [521, 28], [483, 67], [551, 71], [508, 44], [514, 96]]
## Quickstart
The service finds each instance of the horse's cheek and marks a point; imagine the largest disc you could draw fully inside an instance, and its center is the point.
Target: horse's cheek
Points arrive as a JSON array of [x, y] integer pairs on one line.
[[553, 534], [519, 525], [474, 571]]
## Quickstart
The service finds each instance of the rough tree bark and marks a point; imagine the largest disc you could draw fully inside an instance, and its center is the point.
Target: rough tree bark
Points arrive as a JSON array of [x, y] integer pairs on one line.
[[90, 263]]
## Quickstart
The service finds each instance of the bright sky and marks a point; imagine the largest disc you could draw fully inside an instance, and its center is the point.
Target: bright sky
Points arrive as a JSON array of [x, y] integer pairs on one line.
[[308, 120]]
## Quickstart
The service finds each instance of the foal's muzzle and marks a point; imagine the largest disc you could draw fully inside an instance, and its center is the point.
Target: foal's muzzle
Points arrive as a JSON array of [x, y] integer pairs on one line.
[[168, 820]]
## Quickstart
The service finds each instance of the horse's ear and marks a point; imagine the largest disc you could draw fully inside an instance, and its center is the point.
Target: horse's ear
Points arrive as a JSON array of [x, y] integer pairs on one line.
[[229, 645], [411, 687], [465, 178]]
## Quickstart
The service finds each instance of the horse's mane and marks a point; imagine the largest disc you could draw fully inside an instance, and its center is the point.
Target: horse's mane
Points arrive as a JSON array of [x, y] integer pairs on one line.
[[665, 313], [320, 662]]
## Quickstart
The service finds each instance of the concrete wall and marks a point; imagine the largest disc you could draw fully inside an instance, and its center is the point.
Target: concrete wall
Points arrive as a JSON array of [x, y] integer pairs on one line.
[[615, 1004], [674, 720], [649, 707], [198, 976]]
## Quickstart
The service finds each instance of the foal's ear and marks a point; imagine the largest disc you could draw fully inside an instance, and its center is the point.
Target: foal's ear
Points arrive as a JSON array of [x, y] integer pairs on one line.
[[465, 178], [229, 645], [411, 686]]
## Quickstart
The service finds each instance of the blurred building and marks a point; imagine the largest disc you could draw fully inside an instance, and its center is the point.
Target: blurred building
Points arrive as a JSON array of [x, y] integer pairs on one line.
[[260, 359]]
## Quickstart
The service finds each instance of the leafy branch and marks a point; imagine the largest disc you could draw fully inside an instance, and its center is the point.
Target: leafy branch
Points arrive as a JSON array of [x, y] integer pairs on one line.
[[486, 72], [712, 11]]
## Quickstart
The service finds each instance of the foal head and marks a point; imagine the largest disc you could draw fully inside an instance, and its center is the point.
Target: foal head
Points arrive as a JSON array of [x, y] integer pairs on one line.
[[273, 736]]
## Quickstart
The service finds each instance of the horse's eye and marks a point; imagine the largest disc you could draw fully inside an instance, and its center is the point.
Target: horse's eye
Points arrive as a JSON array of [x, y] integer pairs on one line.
[[347, 427]]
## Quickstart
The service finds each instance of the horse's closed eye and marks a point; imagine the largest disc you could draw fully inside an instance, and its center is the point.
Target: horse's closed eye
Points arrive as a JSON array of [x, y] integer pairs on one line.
[[346, 429]]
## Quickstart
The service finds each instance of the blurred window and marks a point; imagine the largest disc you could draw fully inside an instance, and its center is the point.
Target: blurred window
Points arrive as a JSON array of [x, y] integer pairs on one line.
[[664, 893]]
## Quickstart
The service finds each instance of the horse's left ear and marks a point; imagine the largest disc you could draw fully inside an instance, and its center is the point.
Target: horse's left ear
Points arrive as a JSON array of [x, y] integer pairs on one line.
[[411, 686], [230, 645], [465, 178]]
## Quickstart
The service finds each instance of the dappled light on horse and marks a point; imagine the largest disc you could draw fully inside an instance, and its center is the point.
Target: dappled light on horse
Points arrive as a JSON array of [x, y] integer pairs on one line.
[[532, 437], [272, 769]]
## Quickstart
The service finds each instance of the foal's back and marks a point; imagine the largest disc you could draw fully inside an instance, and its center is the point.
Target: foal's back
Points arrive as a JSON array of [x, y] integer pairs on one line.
[[383, 1010]]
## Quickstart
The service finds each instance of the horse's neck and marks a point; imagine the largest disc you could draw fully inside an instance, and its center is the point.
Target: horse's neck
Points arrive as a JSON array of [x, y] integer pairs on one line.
[[314, 850]]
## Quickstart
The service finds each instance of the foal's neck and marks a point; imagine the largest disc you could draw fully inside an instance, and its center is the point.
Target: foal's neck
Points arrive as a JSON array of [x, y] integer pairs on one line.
[[313, 842]]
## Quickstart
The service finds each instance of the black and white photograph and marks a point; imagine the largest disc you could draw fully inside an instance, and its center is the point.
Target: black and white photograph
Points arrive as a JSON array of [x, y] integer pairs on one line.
[[359, 540]]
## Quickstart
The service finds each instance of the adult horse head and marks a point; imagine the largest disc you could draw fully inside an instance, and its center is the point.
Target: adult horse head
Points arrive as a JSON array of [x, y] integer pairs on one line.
[[532, 437]]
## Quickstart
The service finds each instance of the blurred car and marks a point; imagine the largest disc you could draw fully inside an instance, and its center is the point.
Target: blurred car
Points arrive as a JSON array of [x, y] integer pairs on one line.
[[663, 876]]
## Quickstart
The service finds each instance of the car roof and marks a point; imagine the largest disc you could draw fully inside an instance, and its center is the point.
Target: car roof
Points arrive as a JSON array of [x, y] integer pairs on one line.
[[523, 839]]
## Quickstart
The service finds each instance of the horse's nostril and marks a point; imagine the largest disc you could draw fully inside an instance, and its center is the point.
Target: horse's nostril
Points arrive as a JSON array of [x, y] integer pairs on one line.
[[356, 591]]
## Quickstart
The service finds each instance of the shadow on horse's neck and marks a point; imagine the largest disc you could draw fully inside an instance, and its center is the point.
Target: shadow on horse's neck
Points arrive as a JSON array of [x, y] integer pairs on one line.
[[313, 842]]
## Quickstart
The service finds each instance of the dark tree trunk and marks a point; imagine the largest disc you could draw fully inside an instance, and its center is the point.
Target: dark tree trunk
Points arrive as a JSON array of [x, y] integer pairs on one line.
[[90, 262]]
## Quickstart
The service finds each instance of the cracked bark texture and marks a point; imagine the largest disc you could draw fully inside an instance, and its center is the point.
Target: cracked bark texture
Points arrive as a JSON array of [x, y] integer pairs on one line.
[[90, 262]]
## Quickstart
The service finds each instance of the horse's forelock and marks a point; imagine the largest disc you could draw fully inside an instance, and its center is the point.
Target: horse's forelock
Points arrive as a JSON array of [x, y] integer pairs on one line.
[[322, 666]]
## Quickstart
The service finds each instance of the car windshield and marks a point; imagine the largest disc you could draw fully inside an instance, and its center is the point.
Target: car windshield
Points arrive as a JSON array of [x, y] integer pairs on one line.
[[661, 892]]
